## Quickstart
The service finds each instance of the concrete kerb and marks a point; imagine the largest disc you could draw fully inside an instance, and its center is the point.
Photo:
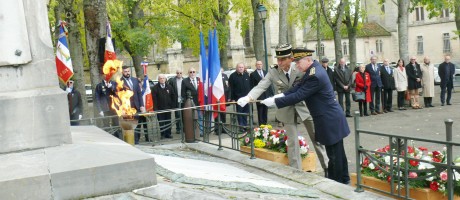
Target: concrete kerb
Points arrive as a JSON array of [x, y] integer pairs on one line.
[[322, 184]]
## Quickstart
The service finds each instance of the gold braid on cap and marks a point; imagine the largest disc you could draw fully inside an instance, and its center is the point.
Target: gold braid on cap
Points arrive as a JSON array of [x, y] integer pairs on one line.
[[302, 54]]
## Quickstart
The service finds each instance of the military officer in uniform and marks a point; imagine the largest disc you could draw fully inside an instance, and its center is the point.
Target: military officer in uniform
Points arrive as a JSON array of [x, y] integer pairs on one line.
[[330, 123], [283, 76]]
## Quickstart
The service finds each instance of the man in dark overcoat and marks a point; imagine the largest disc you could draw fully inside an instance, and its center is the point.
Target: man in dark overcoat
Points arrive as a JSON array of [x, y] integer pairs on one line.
[[163, 96], [446, 73], [330, 123]]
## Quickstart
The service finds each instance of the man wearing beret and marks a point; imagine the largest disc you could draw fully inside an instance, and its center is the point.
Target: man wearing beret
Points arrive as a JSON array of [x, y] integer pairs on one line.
[[283, 77], [330, 73], [330, 123]]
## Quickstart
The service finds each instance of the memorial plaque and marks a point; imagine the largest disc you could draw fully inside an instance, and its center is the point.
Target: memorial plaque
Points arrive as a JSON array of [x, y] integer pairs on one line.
[[13, 31]]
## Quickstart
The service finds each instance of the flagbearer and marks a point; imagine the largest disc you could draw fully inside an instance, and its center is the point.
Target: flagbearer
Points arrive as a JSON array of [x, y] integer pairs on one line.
[[103, 103]]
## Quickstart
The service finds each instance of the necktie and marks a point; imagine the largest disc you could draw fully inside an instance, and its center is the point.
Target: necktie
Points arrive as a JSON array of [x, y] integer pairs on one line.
[[130, 84], [388, 70], [375, 68], [287, 76], [194, 84], [261, 73]]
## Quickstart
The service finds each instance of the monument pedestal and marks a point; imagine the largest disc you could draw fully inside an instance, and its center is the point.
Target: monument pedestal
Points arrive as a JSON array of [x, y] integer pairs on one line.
[[95, 164]]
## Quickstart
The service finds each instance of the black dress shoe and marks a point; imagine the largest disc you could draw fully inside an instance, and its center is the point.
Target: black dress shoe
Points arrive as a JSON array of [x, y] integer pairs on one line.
[[168, 136], [348, 116], [390, 110], [365, 114], [449, 104], [431, 105], [442, 104]]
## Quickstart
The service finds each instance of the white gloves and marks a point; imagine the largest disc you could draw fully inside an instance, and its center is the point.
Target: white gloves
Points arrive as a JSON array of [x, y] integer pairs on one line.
[[109, 85], [101, 114], [269, 102], [80, 116], [278, 95], [243, 101], [142, 109]]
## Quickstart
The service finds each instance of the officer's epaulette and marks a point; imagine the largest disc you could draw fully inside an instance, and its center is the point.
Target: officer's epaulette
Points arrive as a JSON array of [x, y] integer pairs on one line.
[[312, 71]]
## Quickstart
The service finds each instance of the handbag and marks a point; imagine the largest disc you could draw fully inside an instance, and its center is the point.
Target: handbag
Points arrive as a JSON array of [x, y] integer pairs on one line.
[[407, 95], [359, 96]]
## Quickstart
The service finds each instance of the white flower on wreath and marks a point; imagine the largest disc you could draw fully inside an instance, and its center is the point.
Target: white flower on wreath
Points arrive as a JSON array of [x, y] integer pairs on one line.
[[371, 166], [303, 150], [276, 140], [265, 134], [442, 187], [429, 178], [257, 133], [456, 175]]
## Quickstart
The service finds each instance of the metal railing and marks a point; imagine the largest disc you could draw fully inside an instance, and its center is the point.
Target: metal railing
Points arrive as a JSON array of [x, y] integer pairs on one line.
[[399, 150], [207, 126]]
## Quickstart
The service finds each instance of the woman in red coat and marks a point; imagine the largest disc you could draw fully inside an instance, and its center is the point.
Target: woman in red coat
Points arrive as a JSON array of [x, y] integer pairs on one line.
[[363, 84]]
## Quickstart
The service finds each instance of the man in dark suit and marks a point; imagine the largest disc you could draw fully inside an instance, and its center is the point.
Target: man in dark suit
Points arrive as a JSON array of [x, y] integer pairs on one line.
[[388, 81], [446, 73], [75, 104], [240, 85], [130, 83], [376, 85], [190, 85], [103, 102], [176, 84], [164, 98], [317, 93], [255, 77], [330, 73], [342, 78]]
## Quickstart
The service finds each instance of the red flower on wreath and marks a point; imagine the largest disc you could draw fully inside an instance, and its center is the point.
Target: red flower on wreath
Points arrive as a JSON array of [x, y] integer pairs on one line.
[[410, 149], [434, 185], [365, 162], [387, 148], [413, 163], [423, 148], [389, 179]]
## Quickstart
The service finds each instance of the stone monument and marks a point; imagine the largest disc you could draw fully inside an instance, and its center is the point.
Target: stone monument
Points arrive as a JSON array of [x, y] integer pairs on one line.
[[42, 156]]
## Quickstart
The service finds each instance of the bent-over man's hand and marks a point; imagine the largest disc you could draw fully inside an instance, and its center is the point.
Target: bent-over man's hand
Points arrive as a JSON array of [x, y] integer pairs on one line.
[[270, 102], [243, 101]]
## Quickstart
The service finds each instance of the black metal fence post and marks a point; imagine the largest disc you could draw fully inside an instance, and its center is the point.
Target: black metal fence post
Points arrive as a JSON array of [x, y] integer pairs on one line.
[[357, 148], [450, 187]]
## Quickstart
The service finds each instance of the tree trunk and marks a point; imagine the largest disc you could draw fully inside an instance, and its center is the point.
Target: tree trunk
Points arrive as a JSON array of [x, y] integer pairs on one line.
[[223, 9], [352, 29], [337, 43], [403, 16], [95, 21], [76, 53], [457, 14], [352, 46], [335, 26], [257, 35], [318, 30], [137, 65], [283, 26]]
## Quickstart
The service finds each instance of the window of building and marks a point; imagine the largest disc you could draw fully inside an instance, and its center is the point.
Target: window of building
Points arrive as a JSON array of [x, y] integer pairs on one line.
[[419, 14], [379, 46], [446, 43], [420, 45], [445, 13], [247, 38], [320, 51], [345, 48]]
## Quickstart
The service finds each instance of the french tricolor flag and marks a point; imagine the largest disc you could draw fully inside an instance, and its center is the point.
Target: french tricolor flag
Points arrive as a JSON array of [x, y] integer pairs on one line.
[[109, 53], [203, 76], [216, 86], [63, 62]]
